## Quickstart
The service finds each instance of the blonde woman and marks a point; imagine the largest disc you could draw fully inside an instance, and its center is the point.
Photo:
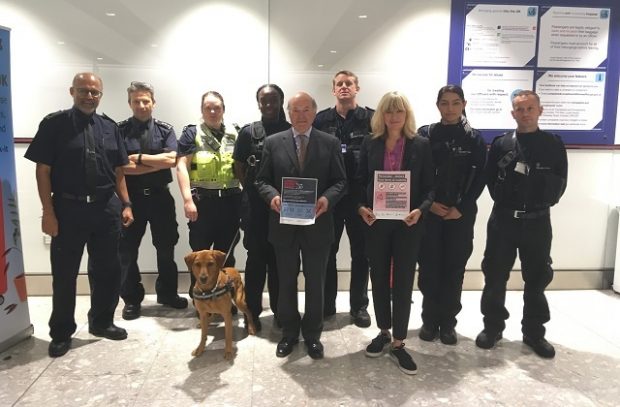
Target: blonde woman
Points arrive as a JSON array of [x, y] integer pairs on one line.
[[393, 146]]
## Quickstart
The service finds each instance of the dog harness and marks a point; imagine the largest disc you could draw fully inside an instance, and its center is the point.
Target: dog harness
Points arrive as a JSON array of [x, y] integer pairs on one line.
[[216, 292]]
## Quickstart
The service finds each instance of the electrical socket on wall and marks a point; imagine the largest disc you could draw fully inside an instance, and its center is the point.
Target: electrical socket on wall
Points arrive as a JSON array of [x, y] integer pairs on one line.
[[47, 239]]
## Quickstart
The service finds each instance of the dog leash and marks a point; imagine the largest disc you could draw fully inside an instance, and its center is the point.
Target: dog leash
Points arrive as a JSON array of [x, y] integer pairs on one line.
[[232, 244]]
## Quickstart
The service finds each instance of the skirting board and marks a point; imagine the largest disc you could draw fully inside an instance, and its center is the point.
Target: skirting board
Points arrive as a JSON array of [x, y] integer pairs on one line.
[[41, 284]]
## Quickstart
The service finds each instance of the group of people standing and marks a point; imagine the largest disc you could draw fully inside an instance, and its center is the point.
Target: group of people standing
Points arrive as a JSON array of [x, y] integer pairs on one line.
[[229, 179]]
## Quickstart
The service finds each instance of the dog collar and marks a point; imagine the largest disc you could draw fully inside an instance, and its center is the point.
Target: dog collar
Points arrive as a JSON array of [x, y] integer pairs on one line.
[[202, 295]]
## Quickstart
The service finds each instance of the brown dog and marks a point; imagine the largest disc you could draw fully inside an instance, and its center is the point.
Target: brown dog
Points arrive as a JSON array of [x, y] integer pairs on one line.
[[215, 291]]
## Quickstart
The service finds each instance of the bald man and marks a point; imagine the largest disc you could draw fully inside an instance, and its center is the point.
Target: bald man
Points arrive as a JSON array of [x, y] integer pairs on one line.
[[302, 151], [80, 157]]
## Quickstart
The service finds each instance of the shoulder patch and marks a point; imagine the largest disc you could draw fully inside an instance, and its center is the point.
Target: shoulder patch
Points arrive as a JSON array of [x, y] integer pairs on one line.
[[123, 123], [163, 124], [189, 126]]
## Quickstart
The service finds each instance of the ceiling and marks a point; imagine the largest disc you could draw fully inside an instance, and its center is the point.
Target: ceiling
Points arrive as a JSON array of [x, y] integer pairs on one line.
[[83, 31]]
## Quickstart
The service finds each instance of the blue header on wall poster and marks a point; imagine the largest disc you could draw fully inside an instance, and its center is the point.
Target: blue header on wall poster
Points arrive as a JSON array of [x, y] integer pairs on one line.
[[567, 51]]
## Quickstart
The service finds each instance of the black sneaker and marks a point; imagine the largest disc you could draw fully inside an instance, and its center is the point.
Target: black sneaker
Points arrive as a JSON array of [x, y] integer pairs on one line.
[[403, 360], [361, 318], [487, 339], [447, 336], [541, 347], [428, 333], [375, 349]]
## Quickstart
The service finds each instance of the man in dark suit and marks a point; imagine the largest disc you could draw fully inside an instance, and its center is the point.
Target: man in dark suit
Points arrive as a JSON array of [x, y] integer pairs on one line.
[[304, 152]]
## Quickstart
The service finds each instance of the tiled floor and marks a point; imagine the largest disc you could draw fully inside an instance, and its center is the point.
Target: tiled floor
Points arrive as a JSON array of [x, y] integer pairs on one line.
[[154, 366]]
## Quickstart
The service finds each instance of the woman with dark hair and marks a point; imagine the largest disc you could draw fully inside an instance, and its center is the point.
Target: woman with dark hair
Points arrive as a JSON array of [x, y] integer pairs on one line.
[[459, 155], [210, 190], [261, 261], [393, 146]]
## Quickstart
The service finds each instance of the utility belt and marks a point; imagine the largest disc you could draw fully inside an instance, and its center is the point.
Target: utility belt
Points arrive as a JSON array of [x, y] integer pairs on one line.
[[148, 191], [522, 214], [203, 193], [98, 197]]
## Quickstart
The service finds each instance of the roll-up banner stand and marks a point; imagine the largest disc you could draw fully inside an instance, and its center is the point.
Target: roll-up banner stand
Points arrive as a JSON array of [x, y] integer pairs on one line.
[[14, 316]]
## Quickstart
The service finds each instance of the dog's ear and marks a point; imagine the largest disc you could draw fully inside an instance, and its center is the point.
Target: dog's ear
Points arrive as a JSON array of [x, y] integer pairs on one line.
[[189, 260], [220, 257]]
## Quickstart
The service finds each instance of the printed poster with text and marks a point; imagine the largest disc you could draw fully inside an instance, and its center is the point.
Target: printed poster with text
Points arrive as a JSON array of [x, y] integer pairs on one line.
[[560, 51], [14, 315], [298, 201], [392, 194]]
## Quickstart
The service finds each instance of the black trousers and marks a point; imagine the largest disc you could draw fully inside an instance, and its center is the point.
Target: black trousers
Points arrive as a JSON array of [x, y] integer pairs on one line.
[[97, 226], [445, 249], [261, 259], [345, 215], [216, 227], [156, 209], [532, 239], [314, 260], [387, 240]]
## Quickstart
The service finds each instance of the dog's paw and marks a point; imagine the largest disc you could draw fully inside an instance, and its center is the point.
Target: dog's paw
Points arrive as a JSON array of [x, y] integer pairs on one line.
[[197, 352], [229, 355], [251, 329]]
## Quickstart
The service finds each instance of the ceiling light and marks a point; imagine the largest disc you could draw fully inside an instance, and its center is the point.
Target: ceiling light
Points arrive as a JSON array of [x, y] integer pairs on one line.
[[154, 45], [110, 14], [333, 51], [362, 16], [60, 43], [320, 66], [99, 59]]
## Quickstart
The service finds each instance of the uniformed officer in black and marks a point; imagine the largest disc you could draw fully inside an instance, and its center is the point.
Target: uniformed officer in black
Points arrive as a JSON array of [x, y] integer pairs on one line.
[[459, 155], [79, 156], [350, 123], [151, 145], [261, 261], [526, 174]]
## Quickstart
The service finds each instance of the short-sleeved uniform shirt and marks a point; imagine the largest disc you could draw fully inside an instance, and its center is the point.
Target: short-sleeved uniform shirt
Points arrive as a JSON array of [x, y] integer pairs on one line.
[[60, 142]]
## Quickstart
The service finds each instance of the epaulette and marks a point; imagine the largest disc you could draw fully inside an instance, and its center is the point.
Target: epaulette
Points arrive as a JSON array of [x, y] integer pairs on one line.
[[324, 111], [363, 112], [123, 123], [245, 127], [188, 126], [105, 116], [163, 124], [424, 131], [55, 114], [496, 138]]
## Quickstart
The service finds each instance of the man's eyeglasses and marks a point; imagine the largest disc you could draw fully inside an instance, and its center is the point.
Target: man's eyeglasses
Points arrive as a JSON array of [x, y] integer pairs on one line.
[[83, 92]]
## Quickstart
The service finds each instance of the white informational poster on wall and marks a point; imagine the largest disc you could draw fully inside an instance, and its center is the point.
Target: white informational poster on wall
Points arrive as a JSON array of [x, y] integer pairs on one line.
[[14, 315], [572, 37], [572, 100], [500, 35], [489, 95]]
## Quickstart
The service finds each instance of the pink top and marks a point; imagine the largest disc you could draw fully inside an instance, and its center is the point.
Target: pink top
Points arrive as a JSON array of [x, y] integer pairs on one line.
[[393, 160]]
